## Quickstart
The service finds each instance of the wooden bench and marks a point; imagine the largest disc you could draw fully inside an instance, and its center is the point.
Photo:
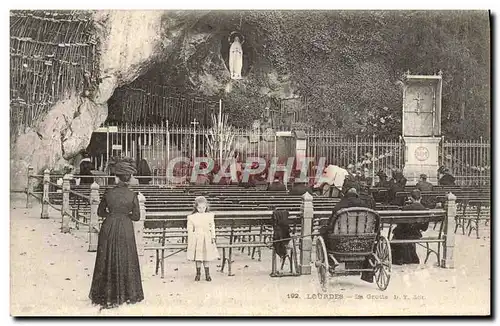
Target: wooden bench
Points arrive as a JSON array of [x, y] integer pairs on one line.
[[233, 224], [470, 212], [241, 225], [381, 193], [440, 197], [228, 224]]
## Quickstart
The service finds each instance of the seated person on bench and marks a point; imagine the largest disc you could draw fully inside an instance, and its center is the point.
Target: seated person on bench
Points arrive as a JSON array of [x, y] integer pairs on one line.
[[446, 179], [423, 184], [350, 199], [406, 253], [299, 188], [276, 185]]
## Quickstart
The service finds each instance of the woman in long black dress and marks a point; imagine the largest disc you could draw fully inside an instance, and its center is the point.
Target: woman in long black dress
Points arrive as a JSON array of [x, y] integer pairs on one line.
[[117, 275]]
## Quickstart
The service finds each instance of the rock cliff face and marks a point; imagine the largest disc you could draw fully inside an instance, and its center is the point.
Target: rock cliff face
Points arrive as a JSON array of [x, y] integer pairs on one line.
[[175, 44], [68, 126]]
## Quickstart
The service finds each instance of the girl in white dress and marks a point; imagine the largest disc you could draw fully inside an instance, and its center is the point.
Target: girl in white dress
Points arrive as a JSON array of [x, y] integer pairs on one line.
[[201, 237]]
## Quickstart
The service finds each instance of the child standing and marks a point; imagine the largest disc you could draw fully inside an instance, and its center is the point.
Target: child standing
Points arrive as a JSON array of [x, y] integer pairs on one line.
[[201, 237]]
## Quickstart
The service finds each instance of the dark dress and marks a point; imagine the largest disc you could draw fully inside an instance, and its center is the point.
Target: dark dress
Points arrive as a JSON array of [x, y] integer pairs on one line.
[[281, 232], [117, 275], [144, 171], [406, 253], [86, 169], [447, 180], [395, 187], [349, 182]]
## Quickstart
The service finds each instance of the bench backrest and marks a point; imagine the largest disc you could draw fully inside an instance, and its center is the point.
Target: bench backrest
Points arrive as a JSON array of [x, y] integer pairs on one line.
[[355, 221]]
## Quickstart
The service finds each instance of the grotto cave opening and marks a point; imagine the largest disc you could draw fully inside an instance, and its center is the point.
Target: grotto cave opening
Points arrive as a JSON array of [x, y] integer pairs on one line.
[[151, 119]]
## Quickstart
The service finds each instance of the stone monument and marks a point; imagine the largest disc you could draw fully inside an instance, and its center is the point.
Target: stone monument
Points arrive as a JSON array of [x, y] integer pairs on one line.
[[422, 126]]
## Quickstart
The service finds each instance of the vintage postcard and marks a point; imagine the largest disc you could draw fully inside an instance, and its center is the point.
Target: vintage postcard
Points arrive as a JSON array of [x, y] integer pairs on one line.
[[250, 163]]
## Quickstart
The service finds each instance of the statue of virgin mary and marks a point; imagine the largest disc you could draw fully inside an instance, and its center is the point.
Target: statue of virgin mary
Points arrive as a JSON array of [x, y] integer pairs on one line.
[[235, 59]]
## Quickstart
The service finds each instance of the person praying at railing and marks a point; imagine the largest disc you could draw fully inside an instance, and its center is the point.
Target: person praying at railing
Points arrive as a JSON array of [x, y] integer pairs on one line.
[[201, 247], [406, 253], [143, 170], [446, 179], [117, 275]]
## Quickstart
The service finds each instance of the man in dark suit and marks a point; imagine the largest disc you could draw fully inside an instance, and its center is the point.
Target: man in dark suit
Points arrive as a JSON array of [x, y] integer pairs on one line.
[[422, 184], [406, 253]]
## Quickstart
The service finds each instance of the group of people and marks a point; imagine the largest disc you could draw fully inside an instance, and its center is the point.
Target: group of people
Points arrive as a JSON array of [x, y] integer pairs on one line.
[[86, 176], [117, 275], [401, 253], [356, 194]]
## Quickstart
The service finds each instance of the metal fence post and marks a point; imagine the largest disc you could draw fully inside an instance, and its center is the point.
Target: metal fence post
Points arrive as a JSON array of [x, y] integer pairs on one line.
[[65, 211], [94, 218], [449, 236], [45, 199]]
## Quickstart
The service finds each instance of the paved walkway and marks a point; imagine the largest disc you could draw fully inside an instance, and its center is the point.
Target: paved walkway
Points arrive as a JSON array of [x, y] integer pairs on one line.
[[51, 274]]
